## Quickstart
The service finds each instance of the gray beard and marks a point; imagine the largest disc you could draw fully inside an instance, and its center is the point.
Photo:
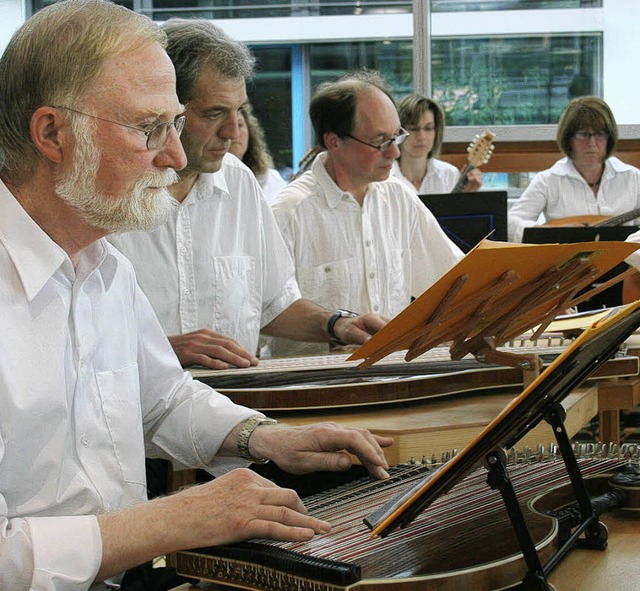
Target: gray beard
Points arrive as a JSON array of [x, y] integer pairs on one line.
[[142, 209]]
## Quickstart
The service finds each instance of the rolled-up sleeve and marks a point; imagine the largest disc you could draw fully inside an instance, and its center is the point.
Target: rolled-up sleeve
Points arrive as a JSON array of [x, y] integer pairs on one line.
[[49, 553]]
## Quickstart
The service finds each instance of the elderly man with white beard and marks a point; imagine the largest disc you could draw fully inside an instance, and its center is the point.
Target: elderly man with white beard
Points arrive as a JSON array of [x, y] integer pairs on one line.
[[89, 141]]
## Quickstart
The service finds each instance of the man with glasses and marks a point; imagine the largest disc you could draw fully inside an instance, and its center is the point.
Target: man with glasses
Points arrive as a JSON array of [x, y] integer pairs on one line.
[[588, 181], [217, 273], [359, 240], [88, 381]]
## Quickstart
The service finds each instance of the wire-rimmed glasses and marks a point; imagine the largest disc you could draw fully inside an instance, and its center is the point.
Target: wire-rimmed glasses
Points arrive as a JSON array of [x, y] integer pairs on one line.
[[397, 139], [156, 134]]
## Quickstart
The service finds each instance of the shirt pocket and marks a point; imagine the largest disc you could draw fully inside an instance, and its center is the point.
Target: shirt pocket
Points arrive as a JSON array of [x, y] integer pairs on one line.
[[120, 398], [237, 299], [331, 284]]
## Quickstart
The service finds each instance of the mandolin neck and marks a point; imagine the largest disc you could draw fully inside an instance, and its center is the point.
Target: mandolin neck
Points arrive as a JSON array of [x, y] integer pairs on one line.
[[619, 219], [462, 179]]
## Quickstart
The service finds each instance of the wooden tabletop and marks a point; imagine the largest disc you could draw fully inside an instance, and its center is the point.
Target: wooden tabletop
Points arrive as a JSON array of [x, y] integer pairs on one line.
[[617, 567]]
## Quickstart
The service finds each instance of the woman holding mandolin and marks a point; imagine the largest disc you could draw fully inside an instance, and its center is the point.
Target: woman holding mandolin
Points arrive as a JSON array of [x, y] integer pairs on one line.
[[588, 182], [417, 167]]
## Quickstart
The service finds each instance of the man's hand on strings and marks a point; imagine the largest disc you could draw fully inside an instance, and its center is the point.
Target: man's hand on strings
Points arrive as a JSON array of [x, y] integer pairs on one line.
[[319, 447], [358, 330]]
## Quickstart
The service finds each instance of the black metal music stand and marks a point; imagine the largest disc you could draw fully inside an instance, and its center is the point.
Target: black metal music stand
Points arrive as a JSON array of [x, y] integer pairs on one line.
[[540, 401]]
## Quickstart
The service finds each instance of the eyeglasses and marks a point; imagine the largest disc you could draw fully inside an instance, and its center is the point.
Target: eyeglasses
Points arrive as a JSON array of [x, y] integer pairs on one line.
[[156, 135], [397, 139], [585, 136]]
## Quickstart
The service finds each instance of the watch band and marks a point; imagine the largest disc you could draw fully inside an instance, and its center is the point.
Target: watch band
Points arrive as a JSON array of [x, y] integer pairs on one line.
[[244, 435], [341, 313]]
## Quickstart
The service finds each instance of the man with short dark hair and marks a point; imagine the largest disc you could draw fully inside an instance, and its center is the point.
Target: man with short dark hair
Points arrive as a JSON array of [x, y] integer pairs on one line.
[[359, 240], [217, 272], [89, 141]]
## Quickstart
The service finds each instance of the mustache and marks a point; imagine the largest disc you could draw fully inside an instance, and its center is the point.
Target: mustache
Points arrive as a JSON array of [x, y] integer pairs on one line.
[[156, 179]]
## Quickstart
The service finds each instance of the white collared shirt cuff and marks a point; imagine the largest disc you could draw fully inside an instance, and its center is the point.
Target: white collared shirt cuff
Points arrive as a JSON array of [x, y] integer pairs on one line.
[[67, 552]]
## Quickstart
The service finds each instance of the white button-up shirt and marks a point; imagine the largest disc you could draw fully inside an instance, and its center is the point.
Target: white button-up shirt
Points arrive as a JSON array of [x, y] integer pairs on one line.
[[87, 379], [441, 177], [372, 258], [219, 262], [271, 184], [561, 191]]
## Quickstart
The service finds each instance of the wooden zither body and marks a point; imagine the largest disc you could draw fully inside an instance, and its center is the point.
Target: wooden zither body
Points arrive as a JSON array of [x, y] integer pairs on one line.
[[463, 541], [332, 381]]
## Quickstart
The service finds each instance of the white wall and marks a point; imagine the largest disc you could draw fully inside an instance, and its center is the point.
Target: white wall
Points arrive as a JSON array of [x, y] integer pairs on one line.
[[12, 15], [621, 50]]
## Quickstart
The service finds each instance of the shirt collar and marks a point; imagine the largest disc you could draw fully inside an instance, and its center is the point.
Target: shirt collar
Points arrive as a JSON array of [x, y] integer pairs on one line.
[[566, 167], [207, 180], [332, 193], [35, 256]]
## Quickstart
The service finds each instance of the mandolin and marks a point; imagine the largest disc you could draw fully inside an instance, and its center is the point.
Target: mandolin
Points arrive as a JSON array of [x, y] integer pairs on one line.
[[480, 150], [596, 221]]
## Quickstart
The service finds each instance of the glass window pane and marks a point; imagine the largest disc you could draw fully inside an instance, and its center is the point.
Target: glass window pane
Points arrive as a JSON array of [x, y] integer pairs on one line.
[[38, 4], [270, 94], [392, 59], [220, 9], [514, 80], [334, 7], [477, 5]]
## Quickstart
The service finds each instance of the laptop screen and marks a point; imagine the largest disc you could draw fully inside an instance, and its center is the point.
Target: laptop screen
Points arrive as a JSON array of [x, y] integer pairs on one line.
[[467, 218]]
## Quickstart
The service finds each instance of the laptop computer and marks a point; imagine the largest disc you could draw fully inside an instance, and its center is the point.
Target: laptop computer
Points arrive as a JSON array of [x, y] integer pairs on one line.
[[467, 218]]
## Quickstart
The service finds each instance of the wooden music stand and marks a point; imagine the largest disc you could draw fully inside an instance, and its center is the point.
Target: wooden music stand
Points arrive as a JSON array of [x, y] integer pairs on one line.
[[495, 293], [540, 401]]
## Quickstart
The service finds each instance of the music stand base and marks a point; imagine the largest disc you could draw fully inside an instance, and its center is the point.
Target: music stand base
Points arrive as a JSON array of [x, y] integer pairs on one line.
[[589, 534]]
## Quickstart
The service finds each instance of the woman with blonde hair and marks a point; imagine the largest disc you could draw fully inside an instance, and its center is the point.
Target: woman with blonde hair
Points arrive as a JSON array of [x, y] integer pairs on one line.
[[418, 166]]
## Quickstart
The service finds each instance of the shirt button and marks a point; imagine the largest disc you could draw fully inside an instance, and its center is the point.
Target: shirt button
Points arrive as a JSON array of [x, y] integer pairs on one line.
[[84, 440], [327, 269], [372, 275], [376, 308], [368, 242], [345, 197]]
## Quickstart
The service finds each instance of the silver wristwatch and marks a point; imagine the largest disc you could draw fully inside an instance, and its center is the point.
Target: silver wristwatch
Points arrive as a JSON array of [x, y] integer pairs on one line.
[[341, 313], [245, 434]]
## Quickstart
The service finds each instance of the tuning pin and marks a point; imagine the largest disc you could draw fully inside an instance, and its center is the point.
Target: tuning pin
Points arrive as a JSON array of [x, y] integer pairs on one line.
[[513, 456]]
